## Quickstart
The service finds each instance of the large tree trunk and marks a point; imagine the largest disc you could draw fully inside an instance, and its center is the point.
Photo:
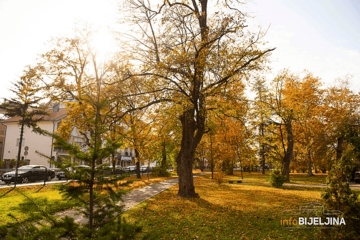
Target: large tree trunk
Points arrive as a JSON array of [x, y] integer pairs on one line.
[[289, 150], [185, 158], [186, 183]]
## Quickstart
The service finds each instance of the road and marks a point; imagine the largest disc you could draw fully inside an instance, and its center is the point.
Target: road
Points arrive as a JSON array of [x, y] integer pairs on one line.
[[53, 181]]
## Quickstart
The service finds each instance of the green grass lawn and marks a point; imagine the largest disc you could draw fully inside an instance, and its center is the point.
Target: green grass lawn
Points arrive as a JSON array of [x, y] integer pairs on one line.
[[258, 177], [10, 203], [226, 211]]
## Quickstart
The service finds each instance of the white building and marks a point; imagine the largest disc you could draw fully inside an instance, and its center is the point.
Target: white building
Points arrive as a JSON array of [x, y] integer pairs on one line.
[[44, 144], [34, 142]]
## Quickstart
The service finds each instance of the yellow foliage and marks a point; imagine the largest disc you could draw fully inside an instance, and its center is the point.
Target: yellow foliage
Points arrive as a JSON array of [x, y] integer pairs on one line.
[[219, 177]]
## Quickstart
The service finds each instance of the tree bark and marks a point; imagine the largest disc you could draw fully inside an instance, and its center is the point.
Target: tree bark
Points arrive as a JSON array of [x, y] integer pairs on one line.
[[137, 164], [289, 150], [339, 149], [185, 158]]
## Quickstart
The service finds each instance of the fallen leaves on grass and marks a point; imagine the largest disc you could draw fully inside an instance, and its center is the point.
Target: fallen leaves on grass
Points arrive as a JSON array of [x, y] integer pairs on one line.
[[226, 211]]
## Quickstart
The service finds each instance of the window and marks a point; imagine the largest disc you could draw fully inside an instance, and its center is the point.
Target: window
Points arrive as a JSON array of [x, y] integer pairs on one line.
[[18, 142], [58, 125], [56, 107]]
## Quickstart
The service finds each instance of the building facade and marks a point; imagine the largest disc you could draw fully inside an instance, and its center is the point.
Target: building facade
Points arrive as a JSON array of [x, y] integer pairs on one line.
[[44, 144], [2, 139], [31, 141]]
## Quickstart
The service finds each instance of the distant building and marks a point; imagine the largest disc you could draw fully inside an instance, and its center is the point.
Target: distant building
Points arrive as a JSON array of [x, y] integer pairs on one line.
[[10, 135], [2, 139], [33, 141]]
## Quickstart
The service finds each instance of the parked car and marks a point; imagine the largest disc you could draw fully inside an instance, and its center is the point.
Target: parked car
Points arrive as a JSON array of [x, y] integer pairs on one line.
[[60, 175], [357, 177], [29, 173], [119, 169], [130, 169], [144, 168]]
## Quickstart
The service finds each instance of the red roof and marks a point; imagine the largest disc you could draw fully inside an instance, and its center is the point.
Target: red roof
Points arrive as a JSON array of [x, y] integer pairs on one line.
[[52, 117]]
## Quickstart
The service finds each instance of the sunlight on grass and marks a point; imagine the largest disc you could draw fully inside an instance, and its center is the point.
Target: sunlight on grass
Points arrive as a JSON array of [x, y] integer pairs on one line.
[[226, 211], [258, 177], [10, 202]]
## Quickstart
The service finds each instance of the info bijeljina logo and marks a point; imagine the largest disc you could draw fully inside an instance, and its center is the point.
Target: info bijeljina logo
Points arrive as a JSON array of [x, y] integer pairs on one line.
[[311, 216]]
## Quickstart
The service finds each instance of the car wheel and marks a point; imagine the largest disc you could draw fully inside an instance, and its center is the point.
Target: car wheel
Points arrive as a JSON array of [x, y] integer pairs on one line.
[[25, 180], [49, 178]]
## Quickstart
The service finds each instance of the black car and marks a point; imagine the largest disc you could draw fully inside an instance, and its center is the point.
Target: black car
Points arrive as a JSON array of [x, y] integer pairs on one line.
[[29, 173], [60, 175], [357, 177]]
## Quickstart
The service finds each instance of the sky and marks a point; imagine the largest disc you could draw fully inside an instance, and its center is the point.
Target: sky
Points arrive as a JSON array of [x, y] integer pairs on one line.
[[322, 36]]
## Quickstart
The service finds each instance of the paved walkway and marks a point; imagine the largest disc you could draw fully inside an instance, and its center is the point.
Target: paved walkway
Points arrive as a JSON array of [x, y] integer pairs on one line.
[[131, 199]]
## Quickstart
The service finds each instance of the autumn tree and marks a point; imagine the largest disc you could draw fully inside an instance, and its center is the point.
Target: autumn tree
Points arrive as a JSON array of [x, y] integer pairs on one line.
[[138, 135], [340, 107], [72, 68], [306, 129], [232, 140], [26, 106], [166, 135], [260, 115], [190, 53], [201, 152], [285, 109]]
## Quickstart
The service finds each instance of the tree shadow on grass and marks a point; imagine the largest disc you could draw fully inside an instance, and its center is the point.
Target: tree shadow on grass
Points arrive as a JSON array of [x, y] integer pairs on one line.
[[206, 218]]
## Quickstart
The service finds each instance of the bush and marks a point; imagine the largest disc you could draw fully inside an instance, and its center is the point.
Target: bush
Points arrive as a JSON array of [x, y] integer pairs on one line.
[[21, 163], [339, 196], [160, 172], [12, 163], [219, 177], [1, 163], [276, 178]]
